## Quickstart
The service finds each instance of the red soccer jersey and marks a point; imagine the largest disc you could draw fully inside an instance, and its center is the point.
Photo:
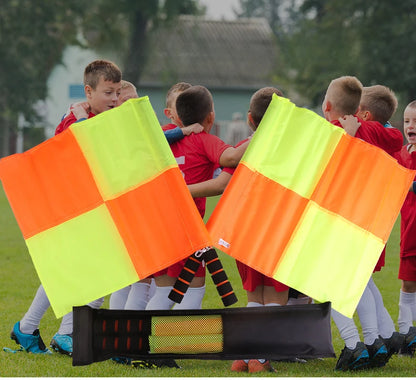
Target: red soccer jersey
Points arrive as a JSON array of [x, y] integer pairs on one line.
[[387, 138], [408, 211], [197, 156], [67, 121]]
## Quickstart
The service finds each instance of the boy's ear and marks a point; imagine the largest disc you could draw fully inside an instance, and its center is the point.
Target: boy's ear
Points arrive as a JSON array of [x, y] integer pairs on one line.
[[367, 116], [87, 90], [250, 121], [210, 118], [167, 113], [327, 106]]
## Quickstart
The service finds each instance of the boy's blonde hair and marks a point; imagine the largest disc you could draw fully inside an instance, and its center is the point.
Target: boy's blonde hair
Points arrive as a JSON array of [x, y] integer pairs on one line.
[[259, 102], [174, 90], [126, 84], [412, 104], [101, 68], [380, 101], [344, 93]]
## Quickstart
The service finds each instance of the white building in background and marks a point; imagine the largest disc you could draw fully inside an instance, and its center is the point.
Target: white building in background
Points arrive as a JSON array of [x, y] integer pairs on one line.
[[65, 85], [231, 58]]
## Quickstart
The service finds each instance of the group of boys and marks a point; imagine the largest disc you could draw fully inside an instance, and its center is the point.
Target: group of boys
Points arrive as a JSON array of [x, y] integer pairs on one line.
[[373, 107], [364, 112]]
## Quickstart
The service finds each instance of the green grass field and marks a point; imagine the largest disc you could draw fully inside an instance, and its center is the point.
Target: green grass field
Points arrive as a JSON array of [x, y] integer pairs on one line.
[[19, 283]]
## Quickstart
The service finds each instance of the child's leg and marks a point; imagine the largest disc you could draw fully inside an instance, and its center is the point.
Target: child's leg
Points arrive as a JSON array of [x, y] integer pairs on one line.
[[138, 296], [66, 327], [347, 329], [193, 297], [255, 297], [385, 323], [31, 320], [165, 280], [161, 300], [271, 297], [118, 299], [62, 340], [366, 310], [407, 306]]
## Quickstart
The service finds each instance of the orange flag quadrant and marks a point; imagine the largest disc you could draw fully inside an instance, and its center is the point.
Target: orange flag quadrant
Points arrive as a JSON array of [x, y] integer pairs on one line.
[[102, 205], [310, 206]]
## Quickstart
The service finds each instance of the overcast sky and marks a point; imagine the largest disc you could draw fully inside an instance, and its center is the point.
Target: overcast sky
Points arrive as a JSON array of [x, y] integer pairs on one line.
[[220, 9]]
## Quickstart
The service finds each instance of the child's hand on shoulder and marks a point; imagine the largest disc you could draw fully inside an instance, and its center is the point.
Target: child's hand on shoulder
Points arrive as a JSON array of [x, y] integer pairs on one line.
[[81, 110], [193, 128], [350, 124]]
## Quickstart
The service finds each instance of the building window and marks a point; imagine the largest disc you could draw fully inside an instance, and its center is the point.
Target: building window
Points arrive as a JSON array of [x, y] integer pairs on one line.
[[76, 91]]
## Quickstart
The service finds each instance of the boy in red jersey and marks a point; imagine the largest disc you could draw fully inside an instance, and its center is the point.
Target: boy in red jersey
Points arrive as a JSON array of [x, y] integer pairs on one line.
[[102, 84], [175, 130], [343, 99], [407, 269], [261, 290], [197, 156], [137, 295], [378, 104]]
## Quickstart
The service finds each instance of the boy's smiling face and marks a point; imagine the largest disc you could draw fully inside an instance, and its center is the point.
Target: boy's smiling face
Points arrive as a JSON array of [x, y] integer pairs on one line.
[[409, 124], [104, 96]]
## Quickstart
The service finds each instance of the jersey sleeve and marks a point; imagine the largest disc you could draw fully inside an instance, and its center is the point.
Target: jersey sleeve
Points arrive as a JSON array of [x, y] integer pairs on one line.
[[214, 147], [65, 123], [173, 135], [387, 138]]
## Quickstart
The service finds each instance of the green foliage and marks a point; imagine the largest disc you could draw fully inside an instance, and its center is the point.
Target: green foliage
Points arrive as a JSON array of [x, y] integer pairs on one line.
[[320, 40], [123, 26], [33, 35]]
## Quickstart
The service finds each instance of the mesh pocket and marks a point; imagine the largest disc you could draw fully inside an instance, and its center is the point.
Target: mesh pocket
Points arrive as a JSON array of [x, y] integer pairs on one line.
[[186, 334]]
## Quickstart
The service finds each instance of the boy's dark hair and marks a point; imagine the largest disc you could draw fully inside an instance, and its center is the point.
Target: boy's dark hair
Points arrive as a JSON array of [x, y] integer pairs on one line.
[[380, 101], [193, 105], [101, 68], [260, 101], [177, 87]]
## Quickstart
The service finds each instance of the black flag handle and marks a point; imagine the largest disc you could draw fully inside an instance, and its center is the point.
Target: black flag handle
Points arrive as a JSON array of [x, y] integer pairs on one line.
[[215, 268]]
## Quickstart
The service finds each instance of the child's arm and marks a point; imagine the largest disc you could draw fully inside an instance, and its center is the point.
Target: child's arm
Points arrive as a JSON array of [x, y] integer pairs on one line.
[[211, 187], [387, 138], [193, 128], [176, 134], [350, 124], [231, 156], [81, 110], [173, 135]]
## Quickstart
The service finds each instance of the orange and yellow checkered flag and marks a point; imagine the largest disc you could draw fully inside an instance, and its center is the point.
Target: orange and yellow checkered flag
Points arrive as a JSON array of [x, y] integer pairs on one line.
[[102, 205], [310, 205]]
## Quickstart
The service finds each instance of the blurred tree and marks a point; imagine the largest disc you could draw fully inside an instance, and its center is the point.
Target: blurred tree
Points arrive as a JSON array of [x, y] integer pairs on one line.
[[33, 35], [323, 39], [124, 26]]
